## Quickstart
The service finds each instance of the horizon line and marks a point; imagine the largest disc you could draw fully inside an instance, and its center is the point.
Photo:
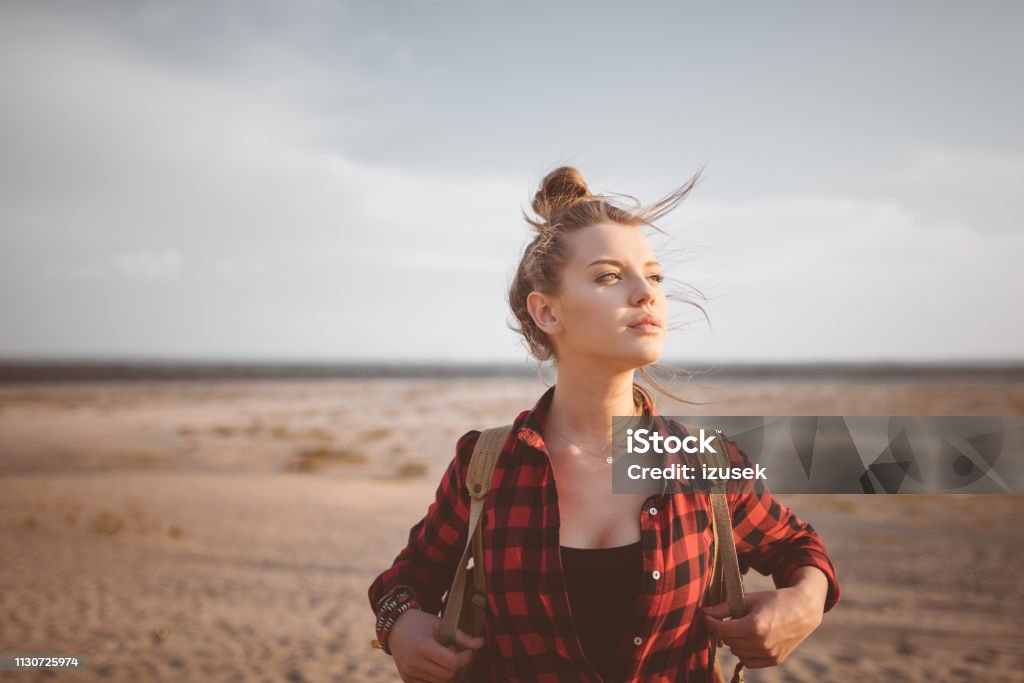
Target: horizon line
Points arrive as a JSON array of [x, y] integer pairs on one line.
[[83, 369]]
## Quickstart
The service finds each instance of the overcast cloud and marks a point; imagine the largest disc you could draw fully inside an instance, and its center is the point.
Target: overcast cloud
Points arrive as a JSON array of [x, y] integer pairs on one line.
[[343, 181]]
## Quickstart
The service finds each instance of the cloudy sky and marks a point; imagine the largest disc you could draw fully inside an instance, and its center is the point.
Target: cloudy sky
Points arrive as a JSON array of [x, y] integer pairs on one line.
[[343, 180]]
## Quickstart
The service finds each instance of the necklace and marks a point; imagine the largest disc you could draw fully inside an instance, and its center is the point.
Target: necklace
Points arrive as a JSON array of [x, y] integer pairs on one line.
[[609, 459]]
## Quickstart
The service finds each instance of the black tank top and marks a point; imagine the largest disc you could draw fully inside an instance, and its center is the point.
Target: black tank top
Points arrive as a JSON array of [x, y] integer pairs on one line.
[[603, 586]]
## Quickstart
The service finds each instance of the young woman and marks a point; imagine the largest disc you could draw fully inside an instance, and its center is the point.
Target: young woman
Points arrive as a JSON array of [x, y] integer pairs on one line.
[[584, 584]]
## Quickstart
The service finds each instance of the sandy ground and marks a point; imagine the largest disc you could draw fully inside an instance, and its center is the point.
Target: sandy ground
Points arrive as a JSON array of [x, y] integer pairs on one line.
[[228, 531]]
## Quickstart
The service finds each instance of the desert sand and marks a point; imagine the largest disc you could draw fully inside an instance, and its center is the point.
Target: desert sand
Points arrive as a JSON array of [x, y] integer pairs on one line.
[[228, 531]]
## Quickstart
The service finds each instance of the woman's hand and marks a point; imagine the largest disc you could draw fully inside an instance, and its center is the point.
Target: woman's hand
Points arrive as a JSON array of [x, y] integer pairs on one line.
[[776, 622], [419, 656]]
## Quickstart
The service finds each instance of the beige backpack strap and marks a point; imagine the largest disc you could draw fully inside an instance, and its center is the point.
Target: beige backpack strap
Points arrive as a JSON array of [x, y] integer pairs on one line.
[[725, 566], [478, 481], [730, 561], [715, 597]]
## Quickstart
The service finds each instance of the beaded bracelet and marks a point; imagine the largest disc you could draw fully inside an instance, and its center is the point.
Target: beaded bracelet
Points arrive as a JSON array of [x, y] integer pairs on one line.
[[390, 608], [386, 630], [391, 601], [391, 604]]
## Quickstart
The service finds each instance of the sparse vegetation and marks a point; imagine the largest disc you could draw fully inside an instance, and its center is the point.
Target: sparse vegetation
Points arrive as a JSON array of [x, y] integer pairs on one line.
[[314, 459], [377, 434], [410, 470], [108, 524], [143, 460]]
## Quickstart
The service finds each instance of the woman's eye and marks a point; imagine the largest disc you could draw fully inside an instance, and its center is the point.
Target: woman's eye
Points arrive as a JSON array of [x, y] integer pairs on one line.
[[608, 277]]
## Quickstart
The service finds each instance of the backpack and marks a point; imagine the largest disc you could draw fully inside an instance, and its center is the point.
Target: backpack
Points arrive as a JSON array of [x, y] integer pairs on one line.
[[478, 481], [725, 573]]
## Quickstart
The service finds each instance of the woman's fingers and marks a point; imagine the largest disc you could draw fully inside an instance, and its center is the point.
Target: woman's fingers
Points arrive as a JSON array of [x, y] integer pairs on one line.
[[429, 672], [437, 660], [440, 662], [464, 640], [464, 657]]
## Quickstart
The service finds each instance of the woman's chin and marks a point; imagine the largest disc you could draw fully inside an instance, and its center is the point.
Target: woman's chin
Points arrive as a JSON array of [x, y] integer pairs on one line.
[[646, 354]]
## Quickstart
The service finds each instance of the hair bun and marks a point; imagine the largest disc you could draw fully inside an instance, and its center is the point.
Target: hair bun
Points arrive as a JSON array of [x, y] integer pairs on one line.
[[559, 190]]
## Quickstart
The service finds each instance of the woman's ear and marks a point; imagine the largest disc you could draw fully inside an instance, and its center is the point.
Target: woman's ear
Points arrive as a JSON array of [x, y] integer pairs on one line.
[[542, 310]]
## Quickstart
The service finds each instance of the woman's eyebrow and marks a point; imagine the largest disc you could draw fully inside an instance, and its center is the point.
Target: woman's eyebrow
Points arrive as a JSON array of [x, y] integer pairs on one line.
[[613, 262]]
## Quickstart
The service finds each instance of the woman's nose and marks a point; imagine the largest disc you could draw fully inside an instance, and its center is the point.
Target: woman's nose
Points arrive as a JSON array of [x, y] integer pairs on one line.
[[645, 292]]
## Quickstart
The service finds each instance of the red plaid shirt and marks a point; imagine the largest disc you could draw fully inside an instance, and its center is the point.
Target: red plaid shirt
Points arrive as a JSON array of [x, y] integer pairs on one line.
[[529, 630]]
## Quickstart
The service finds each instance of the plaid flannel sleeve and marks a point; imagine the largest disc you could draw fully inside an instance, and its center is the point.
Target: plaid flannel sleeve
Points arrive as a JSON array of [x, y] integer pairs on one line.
[[771, 538], [427, 563]]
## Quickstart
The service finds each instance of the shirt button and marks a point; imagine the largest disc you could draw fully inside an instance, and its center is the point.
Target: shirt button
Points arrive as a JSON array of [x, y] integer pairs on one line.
[[656, 574], [638, 640], [653, 511]]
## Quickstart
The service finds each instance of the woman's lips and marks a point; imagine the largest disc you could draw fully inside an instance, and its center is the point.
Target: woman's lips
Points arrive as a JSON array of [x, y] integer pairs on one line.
[[646, 328]]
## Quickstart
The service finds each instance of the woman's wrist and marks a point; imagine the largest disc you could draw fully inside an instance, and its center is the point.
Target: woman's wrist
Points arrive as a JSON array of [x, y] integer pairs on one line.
[[389, 609], [813, 583]]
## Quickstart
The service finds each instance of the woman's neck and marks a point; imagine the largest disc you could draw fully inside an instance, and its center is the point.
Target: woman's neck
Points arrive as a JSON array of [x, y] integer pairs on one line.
[[584, 403]]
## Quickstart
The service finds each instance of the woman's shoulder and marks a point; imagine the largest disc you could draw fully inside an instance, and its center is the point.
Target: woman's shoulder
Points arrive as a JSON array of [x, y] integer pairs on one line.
[[467, 443], [464, 447]]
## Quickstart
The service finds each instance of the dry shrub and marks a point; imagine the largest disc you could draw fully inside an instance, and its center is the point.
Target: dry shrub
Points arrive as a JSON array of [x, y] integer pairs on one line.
[[107, 524], [314, 459], [411, 470]]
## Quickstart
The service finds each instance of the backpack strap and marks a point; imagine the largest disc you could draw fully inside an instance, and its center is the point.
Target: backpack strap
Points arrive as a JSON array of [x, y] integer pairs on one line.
[[725, 572], [478, 481]]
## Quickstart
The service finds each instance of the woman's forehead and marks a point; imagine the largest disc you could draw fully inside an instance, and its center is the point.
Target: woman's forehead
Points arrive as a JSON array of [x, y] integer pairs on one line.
[[624, 243]]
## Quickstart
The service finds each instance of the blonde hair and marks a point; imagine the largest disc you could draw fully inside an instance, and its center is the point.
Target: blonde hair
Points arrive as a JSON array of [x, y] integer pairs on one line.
[[562, 204]]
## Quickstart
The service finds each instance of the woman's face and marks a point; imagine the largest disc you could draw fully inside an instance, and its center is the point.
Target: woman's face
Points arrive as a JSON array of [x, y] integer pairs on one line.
[[610, 284]]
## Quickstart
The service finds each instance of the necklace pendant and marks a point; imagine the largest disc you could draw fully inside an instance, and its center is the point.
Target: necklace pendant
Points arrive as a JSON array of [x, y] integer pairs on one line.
[[609, 460]]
